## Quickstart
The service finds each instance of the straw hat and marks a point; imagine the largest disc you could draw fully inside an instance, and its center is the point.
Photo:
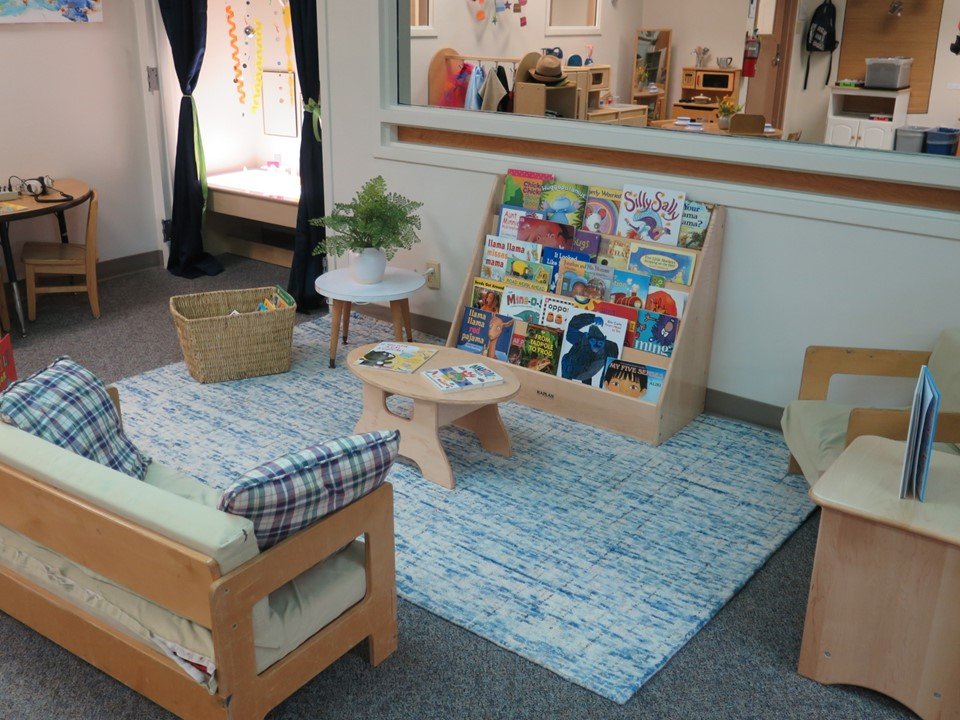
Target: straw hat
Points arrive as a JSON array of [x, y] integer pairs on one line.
[[548, 70]]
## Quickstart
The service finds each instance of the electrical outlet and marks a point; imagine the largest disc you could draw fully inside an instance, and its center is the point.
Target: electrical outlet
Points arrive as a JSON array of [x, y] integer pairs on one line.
[[433, 279]]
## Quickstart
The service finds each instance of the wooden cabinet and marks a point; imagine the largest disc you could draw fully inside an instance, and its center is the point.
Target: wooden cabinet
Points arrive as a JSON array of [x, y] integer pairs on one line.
[[533, 98], [632, 115], [593, 83], [850, 122], [713, 83]]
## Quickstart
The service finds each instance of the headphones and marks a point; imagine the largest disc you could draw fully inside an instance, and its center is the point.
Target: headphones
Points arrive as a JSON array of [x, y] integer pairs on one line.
[[38, 187]]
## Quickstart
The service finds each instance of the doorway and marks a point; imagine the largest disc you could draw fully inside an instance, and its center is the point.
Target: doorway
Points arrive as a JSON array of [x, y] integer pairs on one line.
[[767, 90]]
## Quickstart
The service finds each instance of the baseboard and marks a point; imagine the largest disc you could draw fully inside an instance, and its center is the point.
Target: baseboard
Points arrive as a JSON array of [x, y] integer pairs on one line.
[[107, 269], [717, 403]]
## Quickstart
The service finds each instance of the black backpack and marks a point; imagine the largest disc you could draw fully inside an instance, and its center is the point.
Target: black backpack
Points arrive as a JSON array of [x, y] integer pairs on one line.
[[822, 36]]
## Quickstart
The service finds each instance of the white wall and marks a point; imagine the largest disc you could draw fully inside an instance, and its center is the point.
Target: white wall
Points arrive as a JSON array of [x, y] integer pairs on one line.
[[73, 107], [788, 278], [717, 24], [457, 29]]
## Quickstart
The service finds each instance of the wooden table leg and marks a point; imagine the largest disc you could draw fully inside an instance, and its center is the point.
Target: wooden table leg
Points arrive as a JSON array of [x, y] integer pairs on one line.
[[347, 307], [488, 426], [336, 312], [405, 305], [396, 306]]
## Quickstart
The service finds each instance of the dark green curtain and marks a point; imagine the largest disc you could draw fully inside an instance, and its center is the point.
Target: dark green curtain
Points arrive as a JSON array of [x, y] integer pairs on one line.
[[185, 22], [307, 266]]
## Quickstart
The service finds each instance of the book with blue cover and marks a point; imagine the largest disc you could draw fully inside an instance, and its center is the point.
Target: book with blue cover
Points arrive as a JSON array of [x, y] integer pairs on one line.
[[656, 333], [629, 288], [634, 380], [553, 256], [485, 333], [673, 265], [920, 435]]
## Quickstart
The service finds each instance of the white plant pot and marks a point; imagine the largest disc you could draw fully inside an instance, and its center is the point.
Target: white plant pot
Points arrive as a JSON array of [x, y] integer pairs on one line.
[[368, 265]]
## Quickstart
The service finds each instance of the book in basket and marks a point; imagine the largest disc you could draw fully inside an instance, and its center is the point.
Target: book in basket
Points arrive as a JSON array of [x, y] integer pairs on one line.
[[462, 377], [397, 357]]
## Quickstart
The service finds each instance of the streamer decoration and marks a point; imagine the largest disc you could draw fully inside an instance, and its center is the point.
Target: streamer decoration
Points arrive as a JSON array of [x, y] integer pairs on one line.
[[288, 46], [258, 65], [235, 55]]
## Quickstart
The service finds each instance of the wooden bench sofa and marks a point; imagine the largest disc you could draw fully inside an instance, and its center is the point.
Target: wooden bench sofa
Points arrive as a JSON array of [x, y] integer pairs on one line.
[[178, 559]]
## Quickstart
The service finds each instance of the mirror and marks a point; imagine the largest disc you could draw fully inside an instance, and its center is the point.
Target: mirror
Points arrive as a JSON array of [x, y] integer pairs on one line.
[[724, 67], [570, 14], [281, 115]]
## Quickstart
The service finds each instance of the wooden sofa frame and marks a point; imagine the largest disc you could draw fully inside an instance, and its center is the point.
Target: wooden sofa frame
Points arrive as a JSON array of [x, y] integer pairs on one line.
[[190, 584], [821, 363]]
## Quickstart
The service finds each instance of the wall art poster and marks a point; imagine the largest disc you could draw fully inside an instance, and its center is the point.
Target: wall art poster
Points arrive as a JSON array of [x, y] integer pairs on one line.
[[47, 11]]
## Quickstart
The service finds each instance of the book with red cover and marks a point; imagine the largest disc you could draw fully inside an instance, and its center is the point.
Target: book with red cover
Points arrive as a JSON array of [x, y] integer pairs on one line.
[[8, 371], [623, 311]]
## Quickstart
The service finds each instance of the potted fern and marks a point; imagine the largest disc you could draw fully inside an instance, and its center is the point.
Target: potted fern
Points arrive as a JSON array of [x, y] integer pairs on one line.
[[726, 109], [373, 226]]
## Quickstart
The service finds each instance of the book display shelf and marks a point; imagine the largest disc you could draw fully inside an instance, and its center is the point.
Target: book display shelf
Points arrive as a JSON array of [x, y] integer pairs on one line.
[[681, 398]]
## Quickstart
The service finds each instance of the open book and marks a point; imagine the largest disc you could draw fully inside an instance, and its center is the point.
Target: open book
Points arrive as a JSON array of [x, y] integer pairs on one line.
[[923, 428]]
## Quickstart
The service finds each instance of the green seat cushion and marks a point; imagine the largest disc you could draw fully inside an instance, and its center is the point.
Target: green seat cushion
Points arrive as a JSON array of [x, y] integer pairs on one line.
[[944, 365], [815, 431], [166, 478]]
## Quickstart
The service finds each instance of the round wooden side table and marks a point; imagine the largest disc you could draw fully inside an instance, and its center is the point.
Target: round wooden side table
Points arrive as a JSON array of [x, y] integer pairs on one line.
[[396, 288]]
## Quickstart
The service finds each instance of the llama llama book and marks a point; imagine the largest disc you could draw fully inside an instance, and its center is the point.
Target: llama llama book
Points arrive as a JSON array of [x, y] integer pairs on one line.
[[499, 251], [510, 220], [462, 377], [693, 226], [651, 214], [563, 202], [397, 357], [602, 211], [673, 265], [485, 333], [541, 348], [589, 341], [656, 333], [522, 188], [635, 380]]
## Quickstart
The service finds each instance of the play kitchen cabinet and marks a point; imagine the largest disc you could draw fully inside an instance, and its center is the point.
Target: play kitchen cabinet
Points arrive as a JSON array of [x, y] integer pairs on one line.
[[858, 117], [593, 85], [709, 86]]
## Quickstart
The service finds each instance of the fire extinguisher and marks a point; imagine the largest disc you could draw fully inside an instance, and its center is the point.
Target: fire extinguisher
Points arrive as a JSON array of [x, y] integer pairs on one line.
[[751, 51]]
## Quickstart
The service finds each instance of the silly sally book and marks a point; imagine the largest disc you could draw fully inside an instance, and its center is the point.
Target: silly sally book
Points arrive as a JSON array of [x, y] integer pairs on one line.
[[563, 202], [522, 188], [651, 214], [485, 333], [673, 265], [602, 210], [589, 341], [634, 380], [656, 333]]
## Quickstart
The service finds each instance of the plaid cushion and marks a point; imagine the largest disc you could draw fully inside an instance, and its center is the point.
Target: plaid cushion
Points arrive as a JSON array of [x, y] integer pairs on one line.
[[67, 405], [295, 490]]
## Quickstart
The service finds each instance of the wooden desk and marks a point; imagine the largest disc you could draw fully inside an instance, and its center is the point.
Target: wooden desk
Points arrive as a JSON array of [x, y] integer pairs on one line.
[[80, 193], [712, 128], [884, 607], [475, 410]]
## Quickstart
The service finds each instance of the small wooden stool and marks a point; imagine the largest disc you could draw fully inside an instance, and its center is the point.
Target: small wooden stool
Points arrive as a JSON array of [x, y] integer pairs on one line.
[[396, 288], [883, 611]]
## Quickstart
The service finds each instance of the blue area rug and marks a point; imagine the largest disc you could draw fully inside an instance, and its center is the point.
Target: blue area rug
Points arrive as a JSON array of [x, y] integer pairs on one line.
[[589, 553]]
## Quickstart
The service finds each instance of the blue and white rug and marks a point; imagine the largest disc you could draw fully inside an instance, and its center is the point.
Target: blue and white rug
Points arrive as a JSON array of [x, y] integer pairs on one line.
[[592, 554]]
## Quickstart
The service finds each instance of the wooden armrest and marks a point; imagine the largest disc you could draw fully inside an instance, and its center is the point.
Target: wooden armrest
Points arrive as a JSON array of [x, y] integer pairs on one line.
[[115, 396], [820, 363], [893, 424]]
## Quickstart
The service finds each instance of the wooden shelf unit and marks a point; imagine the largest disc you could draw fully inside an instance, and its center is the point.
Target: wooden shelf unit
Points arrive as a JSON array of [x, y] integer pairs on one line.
[[715, 83], [684, 387]]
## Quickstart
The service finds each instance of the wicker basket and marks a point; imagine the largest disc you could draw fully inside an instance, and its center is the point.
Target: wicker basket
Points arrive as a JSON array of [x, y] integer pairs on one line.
[[218, 346]]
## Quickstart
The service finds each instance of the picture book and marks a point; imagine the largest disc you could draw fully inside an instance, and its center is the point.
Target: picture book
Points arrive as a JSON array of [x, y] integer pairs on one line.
[[510, 220], [485, 333], [556, 311], [650, 214], [521, 304], [546, 233], [486, 294], [516, 342], [584, 281], [498, 251], [629, 289], [8, 207], [541, 349], [589, 341], [552, 257], [397, 357], [656, 333], [528, 274], [614, 251], [587, 242], [693, 226], [8, 371], [462, 377], [635, 380], [602, 210], [666, 301], [563, 202], [622, 311], [522, 188], [920, 434], [674, 265]]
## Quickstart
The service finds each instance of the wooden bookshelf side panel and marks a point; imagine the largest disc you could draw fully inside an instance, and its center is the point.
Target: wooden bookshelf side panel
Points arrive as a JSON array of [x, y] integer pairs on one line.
[[684, 392]]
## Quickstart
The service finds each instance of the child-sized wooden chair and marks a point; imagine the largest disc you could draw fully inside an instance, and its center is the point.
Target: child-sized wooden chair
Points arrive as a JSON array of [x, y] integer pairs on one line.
[[58, 258], [817, 431]]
